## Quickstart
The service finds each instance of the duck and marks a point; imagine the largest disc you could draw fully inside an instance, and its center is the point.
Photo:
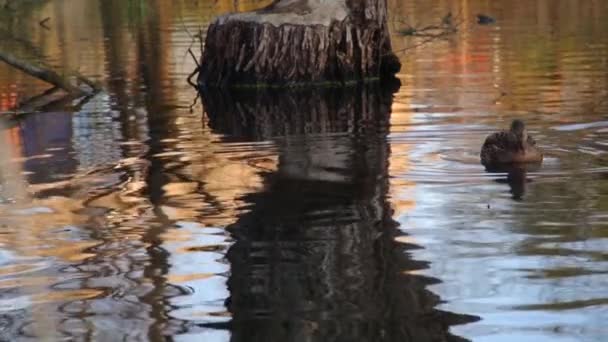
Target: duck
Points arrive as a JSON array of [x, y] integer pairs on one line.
[[514, 146], [483, 19]]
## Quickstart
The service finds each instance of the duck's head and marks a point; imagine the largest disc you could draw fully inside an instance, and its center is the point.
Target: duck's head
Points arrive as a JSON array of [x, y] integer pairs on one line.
[[518, 129]]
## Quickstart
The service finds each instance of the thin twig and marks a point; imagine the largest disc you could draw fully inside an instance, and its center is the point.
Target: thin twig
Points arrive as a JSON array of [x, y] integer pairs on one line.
[[198, 95], [200, 38], [192, 74], [194, 58], [181, 19], [43, 23]]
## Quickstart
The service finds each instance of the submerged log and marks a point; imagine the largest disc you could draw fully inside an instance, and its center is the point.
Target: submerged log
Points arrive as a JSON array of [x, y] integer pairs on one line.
[[293, 42]]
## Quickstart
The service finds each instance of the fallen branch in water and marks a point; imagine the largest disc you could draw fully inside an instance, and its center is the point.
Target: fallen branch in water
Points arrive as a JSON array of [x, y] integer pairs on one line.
[[30, 59], [66, 85], [43, 73]]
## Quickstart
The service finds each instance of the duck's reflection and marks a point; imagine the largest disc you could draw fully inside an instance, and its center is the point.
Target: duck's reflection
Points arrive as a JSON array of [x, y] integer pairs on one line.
[[315, 258], [517, 177]]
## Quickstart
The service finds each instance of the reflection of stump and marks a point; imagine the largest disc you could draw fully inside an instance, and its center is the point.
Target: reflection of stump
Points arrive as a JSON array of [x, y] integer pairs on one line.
[[315, 256], [269, 113], [299, 41]]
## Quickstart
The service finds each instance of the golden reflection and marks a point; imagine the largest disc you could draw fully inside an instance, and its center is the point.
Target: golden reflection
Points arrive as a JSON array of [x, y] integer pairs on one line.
[[73, 40], [226, 177], [72, 252], [13, 141], [65, 295], [179, 189], [77, 43], [30, 222], [24, 281], [185, 278], [40, 220], [527, 72], [204, 314], [8, 98], [12, 270], [401, 190], [179, 235]]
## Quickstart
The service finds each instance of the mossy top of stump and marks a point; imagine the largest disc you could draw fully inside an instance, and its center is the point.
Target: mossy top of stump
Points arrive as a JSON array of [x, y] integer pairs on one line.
[[292, 12]]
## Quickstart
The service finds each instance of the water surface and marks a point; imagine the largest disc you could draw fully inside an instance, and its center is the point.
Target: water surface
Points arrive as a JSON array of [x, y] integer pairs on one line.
[[309, 215]]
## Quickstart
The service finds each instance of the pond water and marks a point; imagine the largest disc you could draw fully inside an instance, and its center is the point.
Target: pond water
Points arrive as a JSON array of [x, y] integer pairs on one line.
[[335, 215]]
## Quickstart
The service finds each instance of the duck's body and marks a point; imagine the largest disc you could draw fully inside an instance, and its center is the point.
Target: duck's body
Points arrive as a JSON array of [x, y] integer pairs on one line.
[[513, 146], [483, 19]]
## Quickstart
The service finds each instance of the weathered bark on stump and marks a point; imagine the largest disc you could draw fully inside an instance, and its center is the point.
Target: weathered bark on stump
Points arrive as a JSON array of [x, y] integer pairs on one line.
[[295, 42]]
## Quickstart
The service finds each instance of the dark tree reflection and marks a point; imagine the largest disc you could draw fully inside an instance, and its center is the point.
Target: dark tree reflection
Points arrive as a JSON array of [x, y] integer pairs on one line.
[[315, 257]]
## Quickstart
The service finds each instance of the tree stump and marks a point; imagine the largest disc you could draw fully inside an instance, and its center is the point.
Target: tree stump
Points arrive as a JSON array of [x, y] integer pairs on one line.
[[299, 42]]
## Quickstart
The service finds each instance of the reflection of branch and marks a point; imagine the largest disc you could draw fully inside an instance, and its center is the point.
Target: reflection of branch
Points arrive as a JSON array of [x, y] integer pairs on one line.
[[424, 42], [192, 74], [198, 36], [52, 95], [193, 39], [198, 95], [193, 57], [447, 27], [49, 97]]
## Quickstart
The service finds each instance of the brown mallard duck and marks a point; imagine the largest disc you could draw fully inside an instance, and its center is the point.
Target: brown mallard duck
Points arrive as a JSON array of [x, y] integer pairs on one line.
[[507, 147]]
